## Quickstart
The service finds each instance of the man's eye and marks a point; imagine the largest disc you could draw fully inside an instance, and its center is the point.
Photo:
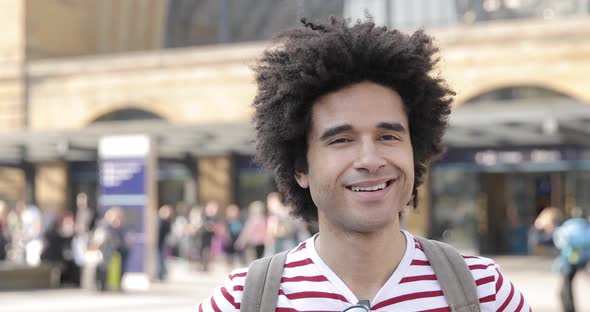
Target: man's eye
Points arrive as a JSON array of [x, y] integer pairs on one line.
[[389, 137], [339, 140]]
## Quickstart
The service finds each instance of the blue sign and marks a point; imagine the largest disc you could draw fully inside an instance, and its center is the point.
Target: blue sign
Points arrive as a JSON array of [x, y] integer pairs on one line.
[[122, 184], [125, 174]]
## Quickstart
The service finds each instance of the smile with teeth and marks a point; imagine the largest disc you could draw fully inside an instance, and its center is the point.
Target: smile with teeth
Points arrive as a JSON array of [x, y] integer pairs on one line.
[[370, 188]]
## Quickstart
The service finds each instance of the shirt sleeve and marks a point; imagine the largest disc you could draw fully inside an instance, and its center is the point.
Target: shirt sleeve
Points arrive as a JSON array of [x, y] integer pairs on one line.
[[508, 297], [226, 298]]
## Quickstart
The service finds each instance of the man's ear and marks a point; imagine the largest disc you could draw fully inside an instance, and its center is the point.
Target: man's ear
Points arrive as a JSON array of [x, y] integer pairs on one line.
[[302, 179]]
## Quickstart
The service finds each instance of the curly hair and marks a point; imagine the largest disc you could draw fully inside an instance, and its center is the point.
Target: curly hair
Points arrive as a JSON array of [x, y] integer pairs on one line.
[[312, 60]]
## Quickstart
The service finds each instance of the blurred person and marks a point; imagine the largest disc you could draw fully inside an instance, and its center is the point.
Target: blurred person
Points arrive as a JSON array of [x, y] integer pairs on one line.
[[207, 231], [572, 238], [541, 233], [348, 117], [165, 215], [217, 242], [4, 231], [180, 239], [16, 252], [254, 234], [57, 248], [233, 228], [32, 231], [195, 223], [84, 224], [109, 239], [85, 215], [53, 244], [185, 240], [72, 269], [518, 232], [281, 227]]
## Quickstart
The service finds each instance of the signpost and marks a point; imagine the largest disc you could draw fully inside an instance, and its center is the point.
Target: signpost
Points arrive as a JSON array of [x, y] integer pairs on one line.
[[127, 171]]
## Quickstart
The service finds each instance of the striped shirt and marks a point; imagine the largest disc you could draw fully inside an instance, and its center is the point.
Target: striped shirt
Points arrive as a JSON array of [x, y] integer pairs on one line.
[[308, 284]]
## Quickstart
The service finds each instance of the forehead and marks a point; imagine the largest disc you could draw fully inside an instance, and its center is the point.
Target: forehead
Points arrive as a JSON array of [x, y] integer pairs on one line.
[[359, 105]]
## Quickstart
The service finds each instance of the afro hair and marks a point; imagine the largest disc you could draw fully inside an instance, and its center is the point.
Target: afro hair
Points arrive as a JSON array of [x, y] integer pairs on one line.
[[307, 62]]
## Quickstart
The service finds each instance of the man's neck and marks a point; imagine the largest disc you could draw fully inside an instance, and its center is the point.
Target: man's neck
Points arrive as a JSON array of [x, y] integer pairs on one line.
[[364, 261]]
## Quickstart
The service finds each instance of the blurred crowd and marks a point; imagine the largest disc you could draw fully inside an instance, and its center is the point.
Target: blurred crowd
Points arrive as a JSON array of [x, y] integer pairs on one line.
[[89, 248], [235, 234], [32, 237]]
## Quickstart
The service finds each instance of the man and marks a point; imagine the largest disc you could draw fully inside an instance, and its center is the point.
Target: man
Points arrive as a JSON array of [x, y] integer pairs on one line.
[[109, 238], [210, 222], [347, 118], [164, 227], [4, 231], [573, 240]]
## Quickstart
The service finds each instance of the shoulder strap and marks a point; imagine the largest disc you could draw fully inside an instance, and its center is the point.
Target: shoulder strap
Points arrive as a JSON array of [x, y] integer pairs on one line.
[[262, 284], [455, 278]]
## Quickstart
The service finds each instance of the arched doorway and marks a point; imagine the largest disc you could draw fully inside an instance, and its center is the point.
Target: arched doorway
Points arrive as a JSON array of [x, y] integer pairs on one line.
[[512, 152], [176, 175]]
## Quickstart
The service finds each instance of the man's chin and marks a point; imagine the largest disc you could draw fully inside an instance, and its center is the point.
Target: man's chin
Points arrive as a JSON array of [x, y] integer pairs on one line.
[[372, 227]]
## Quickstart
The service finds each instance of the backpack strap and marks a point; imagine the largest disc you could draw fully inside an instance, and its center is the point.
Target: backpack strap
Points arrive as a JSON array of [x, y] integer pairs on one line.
[[453, 275], [263, 281]]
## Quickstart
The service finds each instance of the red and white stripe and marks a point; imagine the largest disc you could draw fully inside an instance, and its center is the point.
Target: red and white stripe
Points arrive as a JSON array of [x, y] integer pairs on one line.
[[308, 285]]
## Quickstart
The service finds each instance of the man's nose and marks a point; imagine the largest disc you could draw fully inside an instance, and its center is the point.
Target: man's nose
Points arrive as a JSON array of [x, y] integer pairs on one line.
[[369, 158]]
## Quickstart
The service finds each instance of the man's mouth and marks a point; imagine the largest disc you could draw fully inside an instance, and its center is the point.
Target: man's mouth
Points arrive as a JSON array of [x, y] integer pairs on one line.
[[370, 188]]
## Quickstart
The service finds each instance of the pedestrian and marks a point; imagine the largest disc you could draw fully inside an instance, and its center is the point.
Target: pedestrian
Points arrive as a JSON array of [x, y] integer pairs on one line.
[[572, 238], [164, 228], [347, 118], [85, 215], [57, 249], [233, 229], [540, 236], [254, 234], [109, 239], [210, 220], [194, 225], [32, 232], [84, 223], [181, 231], [16, 251], [4, 231]]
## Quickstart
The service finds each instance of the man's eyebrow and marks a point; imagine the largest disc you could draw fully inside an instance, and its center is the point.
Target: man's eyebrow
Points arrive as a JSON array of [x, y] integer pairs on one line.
[[394, 126], [335, 130]]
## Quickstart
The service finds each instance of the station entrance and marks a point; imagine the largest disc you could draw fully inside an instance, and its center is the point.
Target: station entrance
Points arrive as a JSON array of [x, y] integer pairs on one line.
[[490, 209]]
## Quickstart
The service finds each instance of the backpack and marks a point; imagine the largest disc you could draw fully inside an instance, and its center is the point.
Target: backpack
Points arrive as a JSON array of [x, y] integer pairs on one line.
[[264, 278]]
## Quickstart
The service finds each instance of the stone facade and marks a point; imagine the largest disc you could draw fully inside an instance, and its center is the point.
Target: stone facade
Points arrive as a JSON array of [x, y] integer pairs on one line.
[[214, 84], [548, 54], [11, 61], [201, 85]]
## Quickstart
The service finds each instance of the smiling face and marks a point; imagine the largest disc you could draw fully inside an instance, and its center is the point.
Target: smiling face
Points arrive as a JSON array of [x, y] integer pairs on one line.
[[360, 162]]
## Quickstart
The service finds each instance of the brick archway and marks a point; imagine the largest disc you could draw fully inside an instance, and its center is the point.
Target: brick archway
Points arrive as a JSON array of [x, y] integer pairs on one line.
[[130, 113], [516, 92], [475, 90]]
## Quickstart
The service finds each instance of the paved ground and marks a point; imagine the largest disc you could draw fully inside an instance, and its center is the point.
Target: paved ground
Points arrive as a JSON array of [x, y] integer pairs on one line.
[[187, 287], [540, 285]]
